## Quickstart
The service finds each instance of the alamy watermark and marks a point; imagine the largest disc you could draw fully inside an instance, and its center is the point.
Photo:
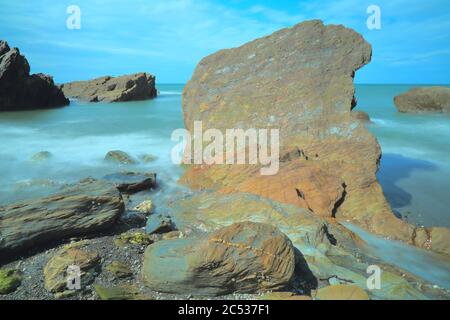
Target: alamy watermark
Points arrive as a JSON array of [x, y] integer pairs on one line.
[[73, 278], [235, 146], [374, 280], [374, 19], [73, 22]]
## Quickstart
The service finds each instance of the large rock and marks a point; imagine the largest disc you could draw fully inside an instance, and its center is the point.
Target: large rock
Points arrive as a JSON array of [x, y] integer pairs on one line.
[[342, 292], [139, 86], [56, 270], [21, 91], [424, 99], [298, 80], [87, 207], [244, 257]]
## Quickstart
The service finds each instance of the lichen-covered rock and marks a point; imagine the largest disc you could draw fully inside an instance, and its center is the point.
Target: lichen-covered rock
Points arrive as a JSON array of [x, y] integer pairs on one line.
[[123, 292], [10, 280], [119, 269], [424, 99], [144, 207], [21, 91], [78, 210], [56, 270], [139, 86], [342, 292], [298, 80], [244, 257], [140, 238]]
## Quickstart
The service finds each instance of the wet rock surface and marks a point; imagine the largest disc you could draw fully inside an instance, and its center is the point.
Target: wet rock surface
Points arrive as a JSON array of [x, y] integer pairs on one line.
[[244, 257], [87, 207]]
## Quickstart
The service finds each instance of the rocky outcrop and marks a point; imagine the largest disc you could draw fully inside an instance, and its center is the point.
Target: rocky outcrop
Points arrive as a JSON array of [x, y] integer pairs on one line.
[[87, 207], [298, 80], [424, 99], [139, 86], [21, 91], [244, 257]]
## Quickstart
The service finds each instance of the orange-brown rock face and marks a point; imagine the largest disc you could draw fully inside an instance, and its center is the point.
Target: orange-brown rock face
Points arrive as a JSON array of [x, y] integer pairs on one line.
[[298, 80]]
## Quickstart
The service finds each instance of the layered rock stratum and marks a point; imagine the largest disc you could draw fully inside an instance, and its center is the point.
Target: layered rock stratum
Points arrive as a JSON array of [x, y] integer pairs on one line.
[[21, 91], [82, 209], [243, 257], [139, 86], [298, 80], [424, 99]]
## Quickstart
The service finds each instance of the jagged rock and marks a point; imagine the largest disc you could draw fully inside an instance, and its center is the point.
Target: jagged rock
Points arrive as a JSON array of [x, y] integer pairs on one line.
[[139, 86], [21, 91], [87, 207], [424, 99], [119, 157], [10, 279], [342, 292], [244, 257], [298, 80], [56, 270]]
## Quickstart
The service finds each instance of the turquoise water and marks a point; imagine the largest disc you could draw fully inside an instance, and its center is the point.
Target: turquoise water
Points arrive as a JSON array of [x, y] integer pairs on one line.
[[415, 168]]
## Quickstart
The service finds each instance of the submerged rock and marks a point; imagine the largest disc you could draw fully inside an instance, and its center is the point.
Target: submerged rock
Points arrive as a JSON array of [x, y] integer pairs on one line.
[[41, 156], [159, 224], [139, 86], [119, 157], [10, 280], [21, 91], [424, 99], [87, 207], [244, 257], [56, 270]]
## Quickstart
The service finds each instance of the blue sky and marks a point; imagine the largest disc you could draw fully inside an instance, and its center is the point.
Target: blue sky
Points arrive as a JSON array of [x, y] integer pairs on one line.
[[169, 37]]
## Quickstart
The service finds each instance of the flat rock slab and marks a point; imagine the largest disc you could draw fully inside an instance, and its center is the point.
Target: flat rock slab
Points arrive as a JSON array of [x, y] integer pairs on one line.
[[84, 208], [423, 100], [139, 86], [244, 257]]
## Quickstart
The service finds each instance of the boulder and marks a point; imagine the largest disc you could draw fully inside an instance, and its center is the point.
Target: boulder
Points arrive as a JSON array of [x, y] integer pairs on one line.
[[139, 238], [10, 280], [298, 80], [21, 91], [120, 157], [342, 292], [123, 292], [78, 210], [424, 99], [139, 86], [361, 116], [244, 257], [56, 270]]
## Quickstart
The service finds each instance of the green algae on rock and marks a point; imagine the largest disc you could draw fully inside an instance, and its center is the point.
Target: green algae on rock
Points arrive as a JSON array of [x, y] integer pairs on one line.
[[10, 280]]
